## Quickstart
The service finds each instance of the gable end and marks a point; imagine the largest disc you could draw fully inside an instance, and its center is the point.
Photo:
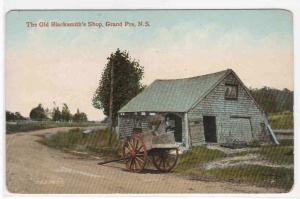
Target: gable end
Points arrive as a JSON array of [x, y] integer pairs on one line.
[[237, 82]]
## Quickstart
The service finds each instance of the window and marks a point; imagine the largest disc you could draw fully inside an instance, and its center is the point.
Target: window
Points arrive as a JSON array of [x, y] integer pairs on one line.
[[231, 92]]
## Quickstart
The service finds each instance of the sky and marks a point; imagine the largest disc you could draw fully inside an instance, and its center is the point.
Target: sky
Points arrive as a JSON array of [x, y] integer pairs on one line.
[[64, 64]]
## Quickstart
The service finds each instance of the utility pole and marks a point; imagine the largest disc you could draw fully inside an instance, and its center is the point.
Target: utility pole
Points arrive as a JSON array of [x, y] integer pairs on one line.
[[111, 103]]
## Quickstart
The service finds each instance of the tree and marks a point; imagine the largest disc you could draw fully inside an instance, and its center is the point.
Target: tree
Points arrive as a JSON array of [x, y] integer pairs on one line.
[[80, 117], [10, 116], [38, 113], [273, 100], [65, 113], [120, 82], [18, 116], [127, 76], [56, 114]]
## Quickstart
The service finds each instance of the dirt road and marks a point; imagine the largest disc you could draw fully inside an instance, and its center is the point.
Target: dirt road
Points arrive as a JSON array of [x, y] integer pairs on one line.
[[34, 168]]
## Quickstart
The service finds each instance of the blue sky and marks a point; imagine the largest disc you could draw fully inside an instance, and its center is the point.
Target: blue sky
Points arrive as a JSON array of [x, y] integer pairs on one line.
[[258, 23]]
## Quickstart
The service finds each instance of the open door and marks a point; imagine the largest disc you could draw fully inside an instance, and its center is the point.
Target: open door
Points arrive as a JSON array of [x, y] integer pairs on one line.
[[209, 123], [174, 123]]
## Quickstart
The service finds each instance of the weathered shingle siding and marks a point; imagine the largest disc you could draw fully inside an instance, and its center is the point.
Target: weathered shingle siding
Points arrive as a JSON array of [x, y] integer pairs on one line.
[[215, 104], [126, 124]]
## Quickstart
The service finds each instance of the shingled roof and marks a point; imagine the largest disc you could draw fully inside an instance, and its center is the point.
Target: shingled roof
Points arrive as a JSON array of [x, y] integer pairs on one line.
[[175, 95]]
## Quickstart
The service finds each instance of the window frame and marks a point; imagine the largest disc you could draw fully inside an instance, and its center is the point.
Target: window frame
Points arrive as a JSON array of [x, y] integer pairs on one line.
[[237, 91]]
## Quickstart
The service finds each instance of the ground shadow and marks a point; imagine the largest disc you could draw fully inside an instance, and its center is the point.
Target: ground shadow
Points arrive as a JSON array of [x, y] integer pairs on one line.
[[119, 166]]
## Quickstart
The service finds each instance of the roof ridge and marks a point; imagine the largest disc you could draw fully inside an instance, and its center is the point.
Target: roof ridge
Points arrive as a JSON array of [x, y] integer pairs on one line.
[[172, 95], [194, 77], [228, 71]]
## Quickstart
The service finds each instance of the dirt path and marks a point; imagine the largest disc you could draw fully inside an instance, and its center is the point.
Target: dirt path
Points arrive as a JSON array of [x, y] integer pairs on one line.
[[249, 159], [35, 168]]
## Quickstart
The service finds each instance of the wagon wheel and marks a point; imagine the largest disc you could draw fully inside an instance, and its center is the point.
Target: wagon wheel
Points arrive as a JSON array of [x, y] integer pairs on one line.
[[135, 154], [165, 159]]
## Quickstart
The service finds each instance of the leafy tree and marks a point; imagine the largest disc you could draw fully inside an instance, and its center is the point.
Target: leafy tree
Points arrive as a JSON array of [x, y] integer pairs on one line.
[[79, 117], [65, 113], [10, 116], [273, 100], [18, 116], [38, 113], [127, 77], [56, 114]]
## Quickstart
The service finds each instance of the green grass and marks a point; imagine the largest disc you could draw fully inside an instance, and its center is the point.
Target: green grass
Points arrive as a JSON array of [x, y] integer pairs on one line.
[[283, 120], [255, 175], [286, 142], [277, 154], [241, 153], [95, 142], [15, 127], [197, 156], [254, 144], [191, 164]]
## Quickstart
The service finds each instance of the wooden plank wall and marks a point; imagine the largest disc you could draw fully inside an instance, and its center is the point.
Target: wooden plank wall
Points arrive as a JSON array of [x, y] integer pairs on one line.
[[215, 105]]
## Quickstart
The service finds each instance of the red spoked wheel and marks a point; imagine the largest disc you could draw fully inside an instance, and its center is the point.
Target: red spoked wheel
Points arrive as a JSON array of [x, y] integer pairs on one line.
[[165, 159], [135, 153]]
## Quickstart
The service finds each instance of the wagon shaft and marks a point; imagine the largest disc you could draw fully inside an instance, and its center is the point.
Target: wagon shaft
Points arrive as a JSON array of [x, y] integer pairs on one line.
[[109, 161]]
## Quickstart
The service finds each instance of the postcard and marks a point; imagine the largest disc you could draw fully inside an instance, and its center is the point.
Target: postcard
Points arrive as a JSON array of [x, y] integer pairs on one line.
[[149, 101]]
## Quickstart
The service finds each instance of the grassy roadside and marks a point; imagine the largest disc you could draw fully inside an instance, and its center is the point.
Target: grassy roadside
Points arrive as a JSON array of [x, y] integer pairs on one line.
[[197, 156], [191, 165], [255, 175], [15, 127], [281, 155], [95, 142]]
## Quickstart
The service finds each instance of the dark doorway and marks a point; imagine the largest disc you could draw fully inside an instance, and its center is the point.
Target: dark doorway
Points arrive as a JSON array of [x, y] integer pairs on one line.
[[209, 123], [174, 123]]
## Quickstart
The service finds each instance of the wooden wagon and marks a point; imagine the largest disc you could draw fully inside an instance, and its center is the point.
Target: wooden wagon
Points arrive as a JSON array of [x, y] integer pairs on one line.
[[161, 147]]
